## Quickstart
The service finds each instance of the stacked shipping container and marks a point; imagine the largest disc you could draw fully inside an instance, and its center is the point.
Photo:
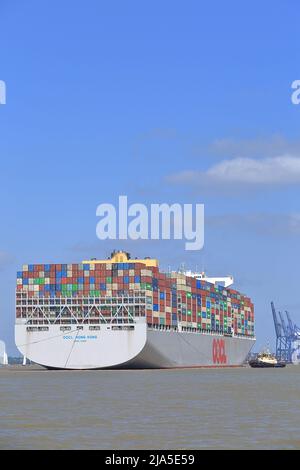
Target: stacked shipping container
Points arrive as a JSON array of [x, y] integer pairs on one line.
[[170, 298]]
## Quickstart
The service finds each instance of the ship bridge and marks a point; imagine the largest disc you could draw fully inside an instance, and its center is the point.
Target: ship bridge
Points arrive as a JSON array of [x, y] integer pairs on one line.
[[227, 281]]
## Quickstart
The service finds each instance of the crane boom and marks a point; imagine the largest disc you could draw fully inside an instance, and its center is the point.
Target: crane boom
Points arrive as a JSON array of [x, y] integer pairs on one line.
[[284, 328], [276, 322], [290, 323]]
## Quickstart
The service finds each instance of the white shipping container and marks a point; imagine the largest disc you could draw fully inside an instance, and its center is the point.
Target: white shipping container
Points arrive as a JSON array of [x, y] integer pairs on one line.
[[146, 272]]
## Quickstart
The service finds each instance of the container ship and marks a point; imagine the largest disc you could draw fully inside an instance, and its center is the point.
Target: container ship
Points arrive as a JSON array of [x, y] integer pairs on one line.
[[126, 313]]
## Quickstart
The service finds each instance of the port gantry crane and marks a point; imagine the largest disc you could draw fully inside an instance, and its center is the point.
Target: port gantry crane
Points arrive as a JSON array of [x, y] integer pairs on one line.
[[286, 335]]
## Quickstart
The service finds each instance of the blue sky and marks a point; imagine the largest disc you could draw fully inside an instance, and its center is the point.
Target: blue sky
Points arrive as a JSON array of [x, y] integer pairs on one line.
[[164, 102]]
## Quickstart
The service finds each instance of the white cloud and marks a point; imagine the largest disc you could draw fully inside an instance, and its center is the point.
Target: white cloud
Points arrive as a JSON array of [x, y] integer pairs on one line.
[[5, 259], [282, 170], [264, 224], [294, 224], [259, 147]]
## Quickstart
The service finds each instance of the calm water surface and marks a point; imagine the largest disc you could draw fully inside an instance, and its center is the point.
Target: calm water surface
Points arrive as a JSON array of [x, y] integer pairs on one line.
[[174, 409]]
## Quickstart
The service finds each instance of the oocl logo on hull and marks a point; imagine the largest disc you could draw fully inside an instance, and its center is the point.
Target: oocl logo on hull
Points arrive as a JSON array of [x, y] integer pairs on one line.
[[219, 351]]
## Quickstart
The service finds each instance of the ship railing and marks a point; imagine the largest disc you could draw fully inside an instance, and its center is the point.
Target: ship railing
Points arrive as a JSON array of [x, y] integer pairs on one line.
[[79, 310], [172, 328], [71, 321], [134, 298], [65, 329]]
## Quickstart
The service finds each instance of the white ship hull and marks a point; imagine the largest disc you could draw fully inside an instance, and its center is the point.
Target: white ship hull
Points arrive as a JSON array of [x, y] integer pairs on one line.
[[138, 348]]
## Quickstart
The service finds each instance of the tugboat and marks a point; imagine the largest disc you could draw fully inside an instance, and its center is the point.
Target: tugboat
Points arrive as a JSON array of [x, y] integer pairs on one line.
[[266, 359]]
